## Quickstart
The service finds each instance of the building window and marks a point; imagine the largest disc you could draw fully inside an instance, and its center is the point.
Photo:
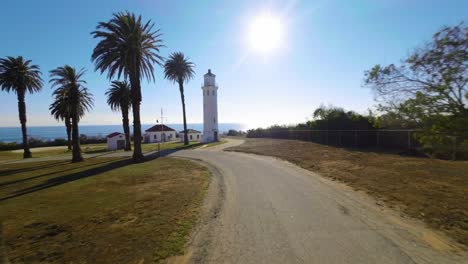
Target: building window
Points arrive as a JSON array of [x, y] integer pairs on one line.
[[198, 136], [190, 137], [155, 137]]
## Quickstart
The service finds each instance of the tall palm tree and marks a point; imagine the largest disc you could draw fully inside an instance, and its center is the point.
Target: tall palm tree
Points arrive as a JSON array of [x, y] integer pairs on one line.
[[179, 69], [69, 83], [60, 110], [118, 98], [128, 47], [20, 76]]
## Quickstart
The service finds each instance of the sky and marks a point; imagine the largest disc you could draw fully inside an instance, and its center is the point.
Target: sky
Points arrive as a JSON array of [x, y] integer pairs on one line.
[[324, 48]]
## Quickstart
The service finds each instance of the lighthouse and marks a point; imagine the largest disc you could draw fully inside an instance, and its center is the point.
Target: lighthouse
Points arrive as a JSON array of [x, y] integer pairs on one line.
[[210, 108]]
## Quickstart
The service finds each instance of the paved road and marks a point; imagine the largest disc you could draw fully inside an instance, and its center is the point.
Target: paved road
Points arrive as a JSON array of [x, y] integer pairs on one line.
[[270, 211]]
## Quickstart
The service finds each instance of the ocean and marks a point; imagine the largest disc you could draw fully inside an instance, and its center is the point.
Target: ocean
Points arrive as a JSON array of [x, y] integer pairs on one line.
[[13, 134]]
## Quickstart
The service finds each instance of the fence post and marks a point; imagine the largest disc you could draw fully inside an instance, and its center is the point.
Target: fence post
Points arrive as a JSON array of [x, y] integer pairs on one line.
[[454, 148], [378, 138], [409, 141], [355, 139]]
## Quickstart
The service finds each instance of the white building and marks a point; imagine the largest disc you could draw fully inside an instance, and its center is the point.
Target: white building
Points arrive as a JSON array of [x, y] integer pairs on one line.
[[160, 133], [115, 141], [193, 135], [210, 108]]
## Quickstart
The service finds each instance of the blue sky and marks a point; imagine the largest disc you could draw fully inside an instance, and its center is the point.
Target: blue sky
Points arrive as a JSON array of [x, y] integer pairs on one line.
[[326, 47]]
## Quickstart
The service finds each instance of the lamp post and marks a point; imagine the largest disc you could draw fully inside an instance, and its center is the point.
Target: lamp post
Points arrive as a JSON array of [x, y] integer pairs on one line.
[[159, 141]]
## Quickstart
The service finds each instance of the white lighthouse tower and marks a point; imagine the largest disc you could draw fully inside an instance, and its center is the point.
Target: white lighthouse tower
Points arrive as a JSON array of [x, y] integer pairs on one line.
[[210, 108]]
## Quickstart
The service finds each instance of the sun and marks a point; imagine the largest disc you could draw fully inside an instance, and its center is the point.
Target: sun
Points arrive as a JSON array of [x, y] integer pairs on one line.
[[265, 33]]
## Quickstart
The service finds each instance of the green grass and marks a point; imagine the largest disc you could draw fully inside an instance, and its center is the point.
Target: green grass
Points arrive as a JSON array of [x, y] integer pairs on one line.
[[105, 210], [148, 147], [52, 151], [87, 149], [212, 144]]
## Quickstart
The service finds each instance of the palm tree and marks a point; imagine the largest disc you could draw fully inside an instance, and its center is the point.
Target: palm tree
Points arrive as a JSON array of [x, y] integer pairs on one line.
[[20, 76], [118, 98], [179, 69], [68, 82], [128, 47], [60, 110]]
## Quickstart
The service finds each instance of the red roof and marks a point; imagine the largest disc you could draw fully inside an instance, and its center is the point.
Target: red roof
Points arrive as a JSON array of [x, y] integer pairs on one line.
[[114, 134], [159, 128]]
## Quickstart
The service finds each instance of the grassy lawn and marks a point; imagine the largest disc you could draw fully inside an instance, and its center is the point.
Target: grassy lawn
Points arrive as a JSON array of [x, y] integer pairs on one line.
[[99, 211], [435, 191], [148, 147], [208, 145], [86, 149], [52, 151]]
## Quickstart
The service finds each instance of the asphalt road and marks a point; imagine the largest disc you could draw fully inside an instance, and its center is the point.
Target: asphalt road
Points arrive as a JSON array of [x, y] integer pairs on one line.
[[263, 210]]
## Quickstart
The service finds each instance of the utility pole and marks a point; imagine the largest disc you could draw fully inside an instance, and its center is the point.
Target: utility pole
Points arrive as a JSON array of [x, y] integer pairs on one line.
[[162, 123]]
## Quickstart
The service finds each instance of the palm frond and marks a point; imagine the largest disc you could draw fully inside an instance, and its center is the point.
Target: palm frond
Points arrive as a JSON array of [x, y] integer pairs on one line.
[[118, 96], [19, 75], [178, 68], [127, 46], [70, 94]]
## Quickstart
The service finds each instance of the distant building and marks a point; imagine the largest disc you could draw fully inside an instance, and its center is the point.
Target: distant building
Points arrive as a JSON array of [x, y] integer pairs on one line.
[[160, 133], [210, 108], [193, 135], [115, 141]]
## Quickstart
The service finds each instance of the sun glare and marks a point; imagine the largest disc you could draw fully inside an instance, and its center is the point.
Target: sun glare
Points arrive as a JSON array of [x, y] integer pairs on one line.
[[265, 33]]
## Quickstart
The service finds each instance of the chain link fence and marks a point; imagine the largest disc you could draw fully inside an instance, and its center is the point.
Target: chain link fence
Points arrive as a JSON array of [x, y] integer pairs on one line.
[[394, 140]]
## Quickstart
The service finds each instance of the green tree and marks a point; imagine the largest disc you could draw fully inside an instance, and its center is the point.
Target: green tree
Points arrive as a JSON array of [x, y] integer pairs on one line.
[[128, 47], [430, 86], [69, 83], [20, 76], [179, 69], [118, 98], [336, 118]]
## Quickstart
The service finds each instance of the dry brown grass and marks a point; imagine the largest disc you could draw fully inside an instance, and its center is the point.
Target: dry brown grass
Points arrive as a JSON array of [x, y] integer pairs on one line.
[[100, 210], [435, 191]]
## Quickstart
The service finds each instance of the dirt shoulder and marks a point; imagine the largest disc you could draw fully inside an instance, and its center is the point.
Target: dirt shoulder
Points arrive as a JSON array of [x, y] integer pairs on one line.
[[435, 191]]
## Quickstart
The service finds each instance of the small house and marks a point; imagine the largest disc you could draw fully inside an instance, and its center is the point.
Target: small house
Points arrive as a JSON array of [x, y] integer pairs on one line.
[[193, 135], [115, 141], [160, 133]]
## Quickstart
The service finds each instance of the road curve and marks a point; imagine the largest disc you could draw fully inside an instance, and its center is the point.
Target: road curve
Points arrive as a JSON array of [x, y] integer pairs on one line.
[[273, 212]]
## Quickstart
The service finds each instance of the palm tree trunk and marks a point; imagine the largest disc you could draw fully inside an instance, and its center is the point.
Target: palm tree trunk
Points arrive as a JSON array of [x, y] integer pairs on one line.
[[22, 117], [136, 100], [76, 152], [126, 128], [181, 88], [68, 125]]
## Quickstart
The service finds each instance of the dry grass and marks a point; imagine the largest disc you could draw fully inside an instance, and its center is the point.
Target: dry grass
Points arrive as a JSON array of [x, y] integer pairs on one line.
[[99, 211], [435, 191]]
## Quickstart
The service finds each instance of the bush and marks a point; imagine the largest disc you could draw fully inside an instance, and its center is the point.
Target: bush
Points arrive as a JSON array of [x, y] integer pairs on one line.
[[235, 133]]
